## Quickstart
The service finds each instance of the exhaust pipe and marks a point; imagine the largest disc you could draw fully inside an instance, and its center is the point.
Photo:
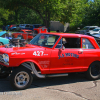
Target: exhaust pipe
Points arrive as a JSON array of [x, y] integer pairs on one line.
[[33, 69]]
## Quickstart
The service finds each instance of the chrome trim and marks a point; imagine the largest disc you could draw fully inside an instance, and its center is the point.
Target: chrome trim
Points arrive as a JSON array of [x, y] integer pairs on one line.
[[31, 66]]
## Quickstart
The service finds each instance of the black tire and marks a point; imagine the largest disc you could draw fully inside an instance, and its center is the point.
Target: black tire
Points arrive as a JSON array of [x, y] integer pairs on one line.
[[93, 72], [4, 75], [21, 78], [1, 43]]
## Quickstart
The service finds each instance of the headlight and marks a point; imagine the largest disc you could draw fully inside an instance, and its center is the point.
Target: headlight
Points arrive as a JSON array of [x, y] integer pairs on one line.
[[6, 58]]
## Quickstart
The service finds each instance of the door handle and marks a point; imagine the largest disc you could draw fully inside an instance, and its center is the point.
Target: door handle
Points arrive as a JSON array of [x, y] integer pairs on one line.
[[80, 52]]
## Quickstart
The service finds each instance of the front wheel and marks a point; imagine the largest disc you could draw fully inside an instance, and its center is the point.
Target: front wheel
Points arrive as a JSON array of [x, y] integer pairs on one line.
[[4, 74], [93, 72], [21, 78]]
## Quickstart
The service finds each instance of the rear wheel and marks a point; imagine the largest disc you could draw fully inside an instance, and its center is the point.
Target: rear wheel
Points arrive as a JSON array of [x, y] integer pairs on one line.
[[21, 78], [93, 72]]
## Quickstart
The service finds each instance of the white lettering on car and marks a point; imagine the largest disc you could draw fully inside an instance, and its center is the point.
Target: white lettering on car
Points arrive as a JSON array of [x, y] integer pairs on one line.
[[38, 53], [16, 53]]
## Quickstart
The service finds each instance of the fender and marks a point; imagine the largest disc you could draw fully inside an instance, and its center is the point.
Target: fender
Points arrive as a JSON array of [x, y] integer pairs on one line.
[[29, 60], [33, 69]]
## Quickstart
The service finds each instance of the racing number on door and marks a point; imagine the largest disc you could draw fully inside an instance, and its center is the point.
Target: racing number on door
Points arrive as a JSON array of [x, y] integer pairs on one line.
[[38, 53]]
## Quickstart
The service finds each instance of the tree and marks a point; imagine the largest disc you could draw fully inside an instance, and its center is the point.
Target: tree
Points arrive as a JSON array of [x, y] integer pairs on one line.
[[4, 16], [44, 8], [92, 13], [76, 12]]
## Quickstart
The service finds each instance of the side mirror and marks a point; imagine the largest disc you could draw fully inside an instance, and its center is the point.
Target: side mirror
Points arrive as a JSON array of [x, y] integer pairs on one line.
[[63, 48]]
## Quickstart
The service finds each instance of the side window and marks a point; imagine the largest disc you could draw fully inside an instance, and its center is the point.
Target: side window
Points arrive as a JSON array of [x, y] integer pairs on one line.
[[27, 26], [31, 26], [86, 44], [69, 43]]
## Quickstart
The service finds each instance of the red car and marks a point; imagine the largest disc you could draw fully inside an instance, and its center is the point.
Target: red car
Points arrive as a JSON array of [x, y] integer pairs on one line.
[[50, 54], [24, 34], [40, 30]]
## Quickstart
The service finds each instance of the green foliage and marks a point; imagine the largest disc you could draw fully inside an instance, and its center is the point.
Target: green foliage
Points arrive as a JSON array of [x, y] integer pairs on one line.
[[92, 13], [78, 13], [4, 16]]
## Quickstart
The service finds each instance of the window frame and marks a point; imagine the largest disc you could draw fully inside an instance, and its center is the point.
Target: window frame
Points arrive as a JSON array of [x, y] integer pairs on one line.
[[61, 39], [89, 41]]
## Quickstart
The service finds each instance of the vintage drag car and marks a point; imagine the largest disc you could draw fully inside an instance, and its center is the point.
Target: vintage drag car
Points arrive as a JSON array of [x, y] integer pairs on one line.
[[7, 39], [29, 34], [23, 34], [50, 54]]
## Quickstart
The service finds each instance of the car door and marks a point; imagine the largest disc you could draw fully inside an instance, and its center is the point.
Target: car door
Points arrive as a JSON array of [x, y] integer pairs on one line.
[[91, 54], [68, 59]]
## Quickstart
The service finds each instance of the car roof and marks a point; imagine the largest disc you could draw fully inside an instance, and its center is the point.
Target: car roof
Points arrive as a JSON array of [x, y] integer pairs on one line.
[[91, 26], [73, 35], [97, 28]]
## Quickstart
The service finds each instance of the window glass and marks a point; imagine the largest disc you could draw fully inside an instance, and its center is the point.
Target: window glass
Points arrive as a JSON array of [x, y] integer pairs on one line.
[[69, 43], [46, 40], [92, 28], [27, 26], [31, 26], [36, 26], [86, 44]]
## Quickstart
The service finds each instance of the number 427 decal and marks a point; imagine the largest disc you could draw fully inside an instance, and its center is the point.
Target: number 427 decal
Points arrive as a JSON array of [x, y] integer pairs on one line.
[[38, 53]]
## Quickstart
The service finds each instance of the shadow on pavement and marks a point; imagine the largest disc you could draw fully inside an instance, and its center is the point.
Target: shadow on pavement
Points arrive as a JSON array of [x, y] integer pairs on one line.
[[37, 82]]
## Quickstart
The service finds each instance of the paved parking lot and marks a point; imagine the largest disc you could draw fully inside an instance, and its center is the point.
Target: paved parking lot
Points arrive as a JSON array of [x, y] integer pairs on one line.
[[73, 87]]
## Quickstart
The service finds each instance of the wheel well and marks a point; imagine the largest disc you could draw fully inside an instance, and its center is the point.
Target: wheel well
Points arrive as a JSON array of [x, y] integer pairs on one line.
[[95, 62], [37, 68], [1, 43]]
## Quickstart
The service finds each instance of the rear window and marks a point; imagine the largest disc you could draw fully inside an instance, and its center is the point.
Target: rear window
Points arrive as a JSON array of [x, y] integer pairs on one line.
[[27, 26], [86, 44]]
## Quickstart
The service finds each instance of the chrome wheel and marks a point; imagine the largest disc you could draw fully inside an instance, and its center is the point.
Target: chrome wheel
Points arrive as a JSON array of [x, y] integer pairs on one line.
[[21, 79]]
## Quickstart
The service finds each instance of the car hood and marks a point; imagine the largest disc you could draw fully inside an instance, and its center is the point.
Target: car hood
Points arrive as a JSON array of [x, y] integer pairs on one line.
[[27, 48], [2, 32], [96, 35], [94, 32]]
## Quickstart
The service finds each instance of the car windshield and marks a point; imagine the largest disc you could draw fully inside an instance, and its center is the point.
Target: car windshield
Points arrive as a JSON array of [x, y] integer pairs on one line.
[[45, 40], [97, 29], [90, 28]]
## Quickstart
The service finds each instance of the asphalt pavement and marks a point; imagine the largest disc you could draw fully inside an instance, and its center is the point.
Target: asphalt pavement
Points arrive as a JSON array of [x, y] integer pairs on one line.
[[72, 87]]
